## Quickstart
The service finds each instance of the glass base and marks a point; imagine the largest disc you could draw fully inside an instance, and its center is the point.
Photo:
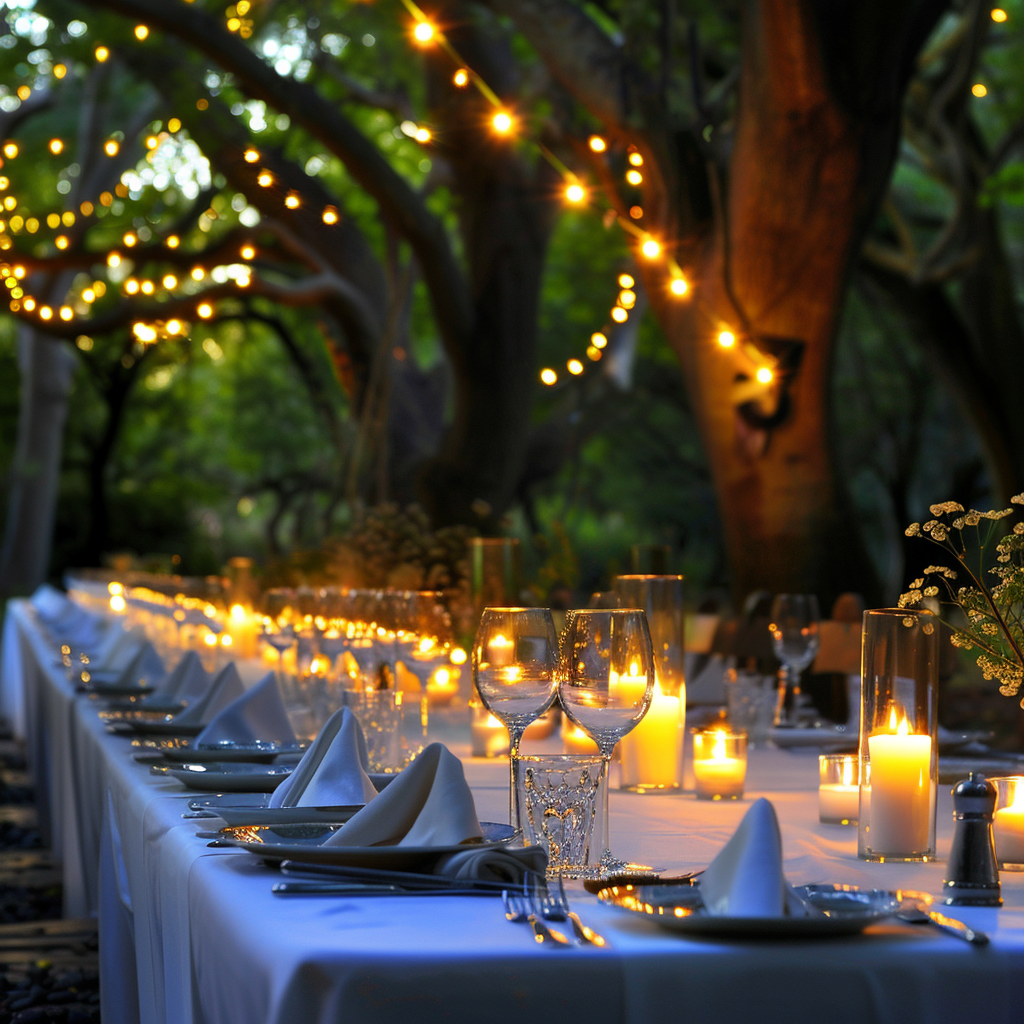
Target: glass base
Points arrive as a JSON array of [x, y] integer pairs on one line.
[[1010, 866], [606, 871], [719, 796], [897, 858], [651, 787], [837, 821]]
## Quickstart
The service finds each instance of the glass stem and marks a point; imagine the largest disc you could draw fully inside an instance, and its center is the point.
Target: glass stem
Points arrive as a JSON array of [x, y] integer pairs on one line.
[[780, 699], [515, 735]]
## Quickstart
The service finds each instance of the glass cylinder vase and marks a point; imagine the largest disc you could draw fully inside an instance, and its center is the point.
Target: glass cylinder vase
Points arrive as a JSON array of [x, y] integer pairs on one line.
[[493, 572], [652, 754], [898, 735]]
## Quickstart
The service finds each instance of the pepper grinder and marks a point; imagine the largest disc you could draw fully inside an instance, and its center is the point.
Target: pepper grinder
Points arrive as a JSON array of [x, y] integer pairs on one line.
[[972, 875]]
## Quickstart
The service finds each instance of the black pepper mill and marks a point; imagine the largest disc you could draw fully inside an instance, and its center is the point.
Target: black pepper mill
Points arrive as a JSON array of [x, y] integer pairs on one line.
[[972, 875]]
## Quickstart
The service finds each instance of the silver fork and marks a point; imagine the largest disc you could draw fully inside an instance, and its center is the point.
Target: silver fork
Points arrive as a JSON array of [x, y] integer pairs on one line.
[[554, 906], [516, 909]]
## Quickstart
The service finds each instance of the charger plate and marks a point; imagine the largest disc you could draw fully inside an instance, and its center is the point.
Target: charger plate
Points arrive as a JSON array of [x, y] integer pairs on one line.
[[305, 844], [242, 777], [846, 909]]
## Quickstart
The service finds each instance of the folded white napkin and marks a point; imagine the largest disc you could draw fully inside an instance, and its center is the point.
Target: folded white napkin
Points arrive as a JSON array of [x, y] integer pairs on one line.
[[428, 804], [333, 772], [186, 682], [258, 714], [51, 604], [143, 665], [226, 687], [746, 879]]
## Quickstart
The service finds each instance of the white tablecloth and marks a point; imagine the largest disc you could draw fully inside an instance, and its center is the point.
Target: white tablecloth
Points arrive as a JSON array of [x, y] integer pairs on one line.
[[190, 933]]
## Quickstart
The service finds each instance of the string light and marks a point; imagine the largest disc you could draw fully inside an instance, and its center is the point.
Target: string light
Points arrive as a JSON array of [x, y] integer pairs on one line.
[[101, 53], [678, 286], [626, 281], [548, 376], [627, 298], [635, 158], [999, 15], [764, 375], [114, 259], [251, 155], [10, 150], [129, 239], [650, 248], [197, 274], [619, 315], [141, 32], [265, 179], [330, 215], [575, 367], [172, 242], [111, 147], [422, 135], [501, 122], [205, 310], [726, 339], [56, 146], [598, 340], [593, 353], [292, 200], [423, 33], [170, 282], [247, 252], [979, 90], [634, 177], [575, 192], [461, 78], [597, 144], [131, 286]]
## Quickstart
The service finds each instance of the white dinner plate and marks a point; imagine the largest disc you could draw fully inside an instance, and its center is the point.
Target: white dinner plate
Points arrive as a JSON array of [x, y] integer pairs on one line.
[[305, 844], [242, 777], [227, 750], [846, 909]]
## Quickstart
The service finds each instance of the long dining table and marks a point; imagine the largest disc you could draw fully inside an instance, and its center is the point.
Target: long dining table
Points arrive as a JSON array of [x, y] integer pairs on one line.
[[194, 933]]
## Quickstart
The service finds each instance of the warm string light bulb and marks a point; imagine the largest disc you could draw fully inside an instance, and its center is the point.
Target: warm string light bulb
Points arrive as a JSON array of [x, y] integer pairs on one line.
[[330, 215], [575, 192], [548, 376], [726, 339], [502, 122], [461, 78], [597, 144], [764, 375], [423, 33], [678, 286], [575, 367], [650, 248]]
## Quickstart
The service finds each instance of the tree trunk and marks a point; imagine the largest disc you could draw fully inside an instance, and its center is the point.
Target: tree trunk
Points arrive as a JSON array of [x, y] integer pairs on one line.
[[46, 367]]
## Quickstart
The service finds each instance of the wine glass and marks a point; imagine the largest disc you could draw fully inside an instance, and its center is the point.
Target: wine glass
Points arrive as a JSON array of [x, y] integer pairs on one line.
[[794, 629], [606, 678], [515, 658]]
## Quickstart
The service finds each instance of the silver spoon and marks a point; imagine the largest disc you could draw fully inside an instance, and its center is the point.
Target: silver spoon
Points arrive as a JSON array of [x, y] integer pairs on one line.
[[914, 913]]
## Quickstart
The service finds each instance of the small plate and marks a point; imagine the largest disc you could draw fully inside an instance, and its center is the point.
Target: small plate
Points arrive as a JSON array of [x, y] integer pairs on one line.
[[227, 778], [847, 910], [161, 727], [260, 751], [305, 844], [792, 737], [129, 704]]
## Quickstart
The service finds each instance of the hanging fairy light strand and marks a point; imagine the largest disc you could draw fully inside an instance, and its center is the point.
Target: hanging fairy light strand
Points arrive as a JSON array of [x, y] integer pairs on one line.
[[503, 122]]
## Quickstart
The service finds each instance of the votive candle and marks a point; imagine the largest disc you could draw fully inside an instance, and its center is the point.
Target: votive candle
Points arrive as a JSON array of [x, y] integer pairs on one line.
[[719, 763]]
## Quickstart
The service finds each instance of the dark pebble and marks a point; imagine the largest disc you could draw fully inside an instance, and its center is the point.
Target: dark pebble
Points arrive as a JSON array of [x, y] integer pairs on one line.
[[62, 997], [22, 1004]]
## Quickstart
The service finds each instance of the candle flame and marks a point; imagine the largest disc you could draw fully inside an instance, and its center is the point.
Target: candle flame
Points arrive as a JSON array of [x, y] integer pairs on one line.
[[848, 771], [900, 727], [1018, 796], [634, 668], [237, 613], [718, 747]]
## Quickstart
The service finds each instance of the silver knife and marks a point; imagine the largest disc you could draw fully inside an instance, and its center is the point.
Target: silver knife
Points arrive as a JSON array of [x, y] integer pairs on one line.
[[957, 928]]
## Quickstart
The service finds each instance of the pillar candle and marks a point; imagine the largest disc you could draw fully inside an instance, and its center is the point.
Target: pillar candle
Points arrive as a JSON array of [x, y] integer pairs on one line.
[[650, 753], [900, 790], [1009, 829]]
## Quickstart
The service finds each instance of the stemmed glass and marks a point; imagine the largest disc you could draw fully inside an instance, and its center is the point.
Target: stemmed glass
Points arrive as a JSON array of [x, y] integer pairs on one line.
[[515, 658], [606, 678], [794, 629]]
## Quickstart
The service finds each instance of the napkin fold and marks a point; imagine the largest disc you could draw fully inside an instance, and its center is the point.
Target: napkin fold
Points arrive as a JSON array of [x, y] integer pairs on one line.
[[745, 879], [428, 804], [186, 682], [333, 772], [225, 687], [495, 864], [258, 714], [142, 665]]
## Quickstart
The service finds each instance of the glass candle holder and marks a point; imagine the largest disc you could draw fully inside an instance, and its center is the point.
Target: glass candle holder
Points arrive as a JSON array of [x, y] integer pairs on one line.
[[898, 741], [1008, 824], [652, 754], [838, 788], [719, 763], [493, 572]]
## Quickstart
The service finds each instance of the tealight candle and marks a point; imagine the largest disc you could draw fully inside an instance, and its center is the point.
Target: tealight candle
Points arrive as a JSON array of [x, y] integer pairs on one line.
[[719, 764], [900, 789], [1008, 825], [627, 688], [651, 753], [575, 740], [489, 735], [443, 685], [242, 629], [838, 789], [500, 650]]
